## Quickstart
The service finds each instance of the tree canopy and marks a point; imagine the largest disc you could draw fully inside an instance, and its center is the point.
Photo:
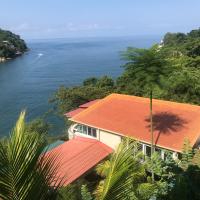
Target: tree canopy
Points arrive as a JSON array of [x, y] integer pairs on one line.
[[11, 44]]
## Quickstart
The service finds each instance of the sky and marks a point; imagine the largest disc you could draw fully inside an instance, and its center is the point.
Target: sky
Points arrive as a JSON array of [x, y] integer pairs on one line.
[[98, 18]]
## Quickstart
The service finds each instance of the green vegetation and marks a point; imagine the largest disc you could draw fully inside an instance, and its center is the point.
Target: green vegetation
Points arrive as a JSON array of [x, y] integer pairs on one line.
[[42, 127], [26, 172], [148, 68], [124, 176], [39, 126], [11, 45], [67, 98], [171, 69]]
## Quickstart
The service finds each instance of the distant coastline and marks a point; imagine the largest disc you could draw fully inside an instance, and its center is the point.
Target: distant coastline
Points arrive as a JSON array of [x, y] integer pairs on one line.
[[11, 46]]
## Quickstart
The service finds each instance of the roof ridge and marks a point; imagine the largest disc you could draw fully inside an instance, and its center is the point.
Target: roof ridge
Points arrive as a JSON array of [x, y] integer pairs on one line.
[[184, 106], [162, 101]]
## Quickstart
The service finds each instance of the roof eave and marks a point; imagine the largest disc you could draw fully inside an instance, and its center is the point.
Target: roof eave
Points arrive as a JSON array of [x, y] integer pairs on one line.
[[143, 141]]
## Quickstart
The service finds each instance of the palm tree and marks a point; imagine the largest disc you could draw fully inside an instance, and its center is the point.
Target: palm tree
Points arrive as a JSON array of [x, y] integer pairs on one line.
[[147, 69], [26, 172], [124, 176], [121, 173]]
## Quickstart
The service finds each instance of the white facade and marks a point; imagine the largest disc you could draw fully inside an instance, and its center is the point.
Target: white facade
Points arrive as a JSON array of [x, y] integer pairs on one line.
[[110, 139]]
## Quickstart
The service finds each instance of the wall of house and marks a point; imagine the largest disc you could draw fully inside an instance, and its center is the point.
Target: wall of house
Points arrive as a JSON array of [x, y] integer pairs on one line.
[[109, 139], [113, 140]]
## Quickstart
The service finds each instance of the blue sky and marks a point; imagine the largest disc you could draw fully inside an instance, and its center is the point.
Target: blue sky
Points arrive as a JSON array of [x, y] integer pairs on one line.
[[90, 18]]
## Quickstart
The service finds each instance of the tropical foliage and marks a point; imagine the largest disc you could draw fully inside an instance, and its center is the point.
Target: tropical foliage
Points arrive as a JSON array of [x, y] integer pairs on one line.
[[11, 44], [173, 73], [67, 98], [39, 126], [26, 172], [126, 176], [171, 70]]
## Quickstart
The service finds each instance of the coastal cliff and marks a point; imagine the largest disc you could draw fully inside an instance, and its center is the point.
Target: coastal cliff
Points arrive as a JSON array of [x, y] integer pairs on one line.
[[11, 45]]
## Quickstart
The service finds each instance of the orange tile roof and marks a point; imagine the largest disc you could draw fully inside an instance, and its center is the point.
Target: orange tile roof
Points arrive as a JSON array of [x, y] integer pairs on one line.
[[129, 116], [88, 104], [81, 108], [77, 156], [72, 113]]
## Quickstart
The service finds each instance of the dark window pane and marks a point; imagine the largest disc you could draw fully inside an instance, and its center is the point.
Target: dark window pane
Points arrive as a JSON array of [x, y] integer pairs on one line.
[[94, 132], [90, 131], [158, 151], [148, 151], [84, 130]]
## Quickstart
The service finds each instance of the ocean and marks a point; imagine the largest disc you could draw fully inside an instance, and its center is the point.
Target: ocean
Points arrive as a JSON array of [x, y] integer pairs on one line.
[[29, 81]]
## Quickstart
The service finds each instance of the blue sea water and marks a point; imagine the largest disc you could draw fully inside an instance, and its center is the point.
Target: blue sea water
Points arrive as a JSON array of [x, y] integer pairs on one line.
[[28, 82]]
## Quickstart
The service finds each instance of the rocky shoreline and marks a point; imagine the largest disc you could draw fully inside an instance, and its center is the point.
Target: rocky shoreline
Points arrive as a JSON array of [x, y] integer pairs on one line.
[[4, 59]]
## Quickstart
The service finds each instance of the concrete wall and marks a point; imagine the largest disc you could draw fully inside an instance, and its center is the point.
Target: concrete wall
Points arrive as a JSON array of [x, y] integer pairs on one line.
[[109, 139]]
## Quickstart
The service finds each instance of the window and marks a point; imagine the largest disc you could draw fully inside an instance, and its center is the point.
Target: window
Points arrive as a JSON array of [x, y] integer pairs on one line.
[[86, 130], [158, 150], [148, 151], [78, 128], [90, 131], [94, 132]]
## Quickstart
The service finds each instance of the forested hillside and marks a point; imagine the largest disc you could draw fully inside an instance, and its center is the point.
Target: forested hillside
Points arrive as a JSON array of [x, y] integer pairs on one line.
[[11, 45], [179, 80]]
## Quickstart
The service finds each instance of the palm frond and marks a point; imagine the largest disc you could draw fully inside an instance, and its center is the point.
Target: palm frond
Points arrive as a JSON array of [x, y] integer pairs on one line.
[[24, 173], [118, 182]]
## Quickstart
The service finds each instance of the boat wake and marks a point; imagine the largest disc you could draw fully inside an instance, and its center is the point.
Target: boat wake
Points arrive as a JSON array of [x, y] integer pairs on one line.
[[40, 55]]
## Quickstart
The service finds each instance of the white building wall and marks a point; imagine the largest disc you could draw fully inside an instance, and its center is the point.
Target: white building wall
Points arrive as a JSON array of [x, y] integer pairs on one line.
[[109, 139]]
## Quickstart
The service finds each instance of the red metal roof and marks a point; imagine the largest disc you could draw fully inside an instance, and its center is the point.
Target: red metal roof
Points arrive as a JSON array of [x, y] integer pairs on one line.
[[77, 156], [129, 116], [81, 108]]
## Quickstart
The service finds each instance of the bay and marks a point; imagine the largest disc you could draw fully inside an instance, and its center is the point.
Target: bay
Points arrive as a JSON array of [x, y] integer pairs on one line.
[[28, 82]]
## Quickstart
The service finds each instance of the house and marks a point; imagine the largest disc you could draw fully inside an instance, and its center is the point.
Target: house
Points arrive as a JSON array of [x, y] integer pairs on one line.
[[116, 116], [100, 125]]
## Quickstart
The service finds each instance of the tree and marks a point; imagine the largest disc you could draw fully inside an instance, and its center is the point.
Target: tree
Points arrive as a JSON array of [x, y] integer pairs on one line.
[[124, 176], [187, 155], [147, 68], [187, 177], [66, 98], [105, 82], [85, 193], [121, 173], [11, 44], [39, 126], [90, 81], [26, 172]]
